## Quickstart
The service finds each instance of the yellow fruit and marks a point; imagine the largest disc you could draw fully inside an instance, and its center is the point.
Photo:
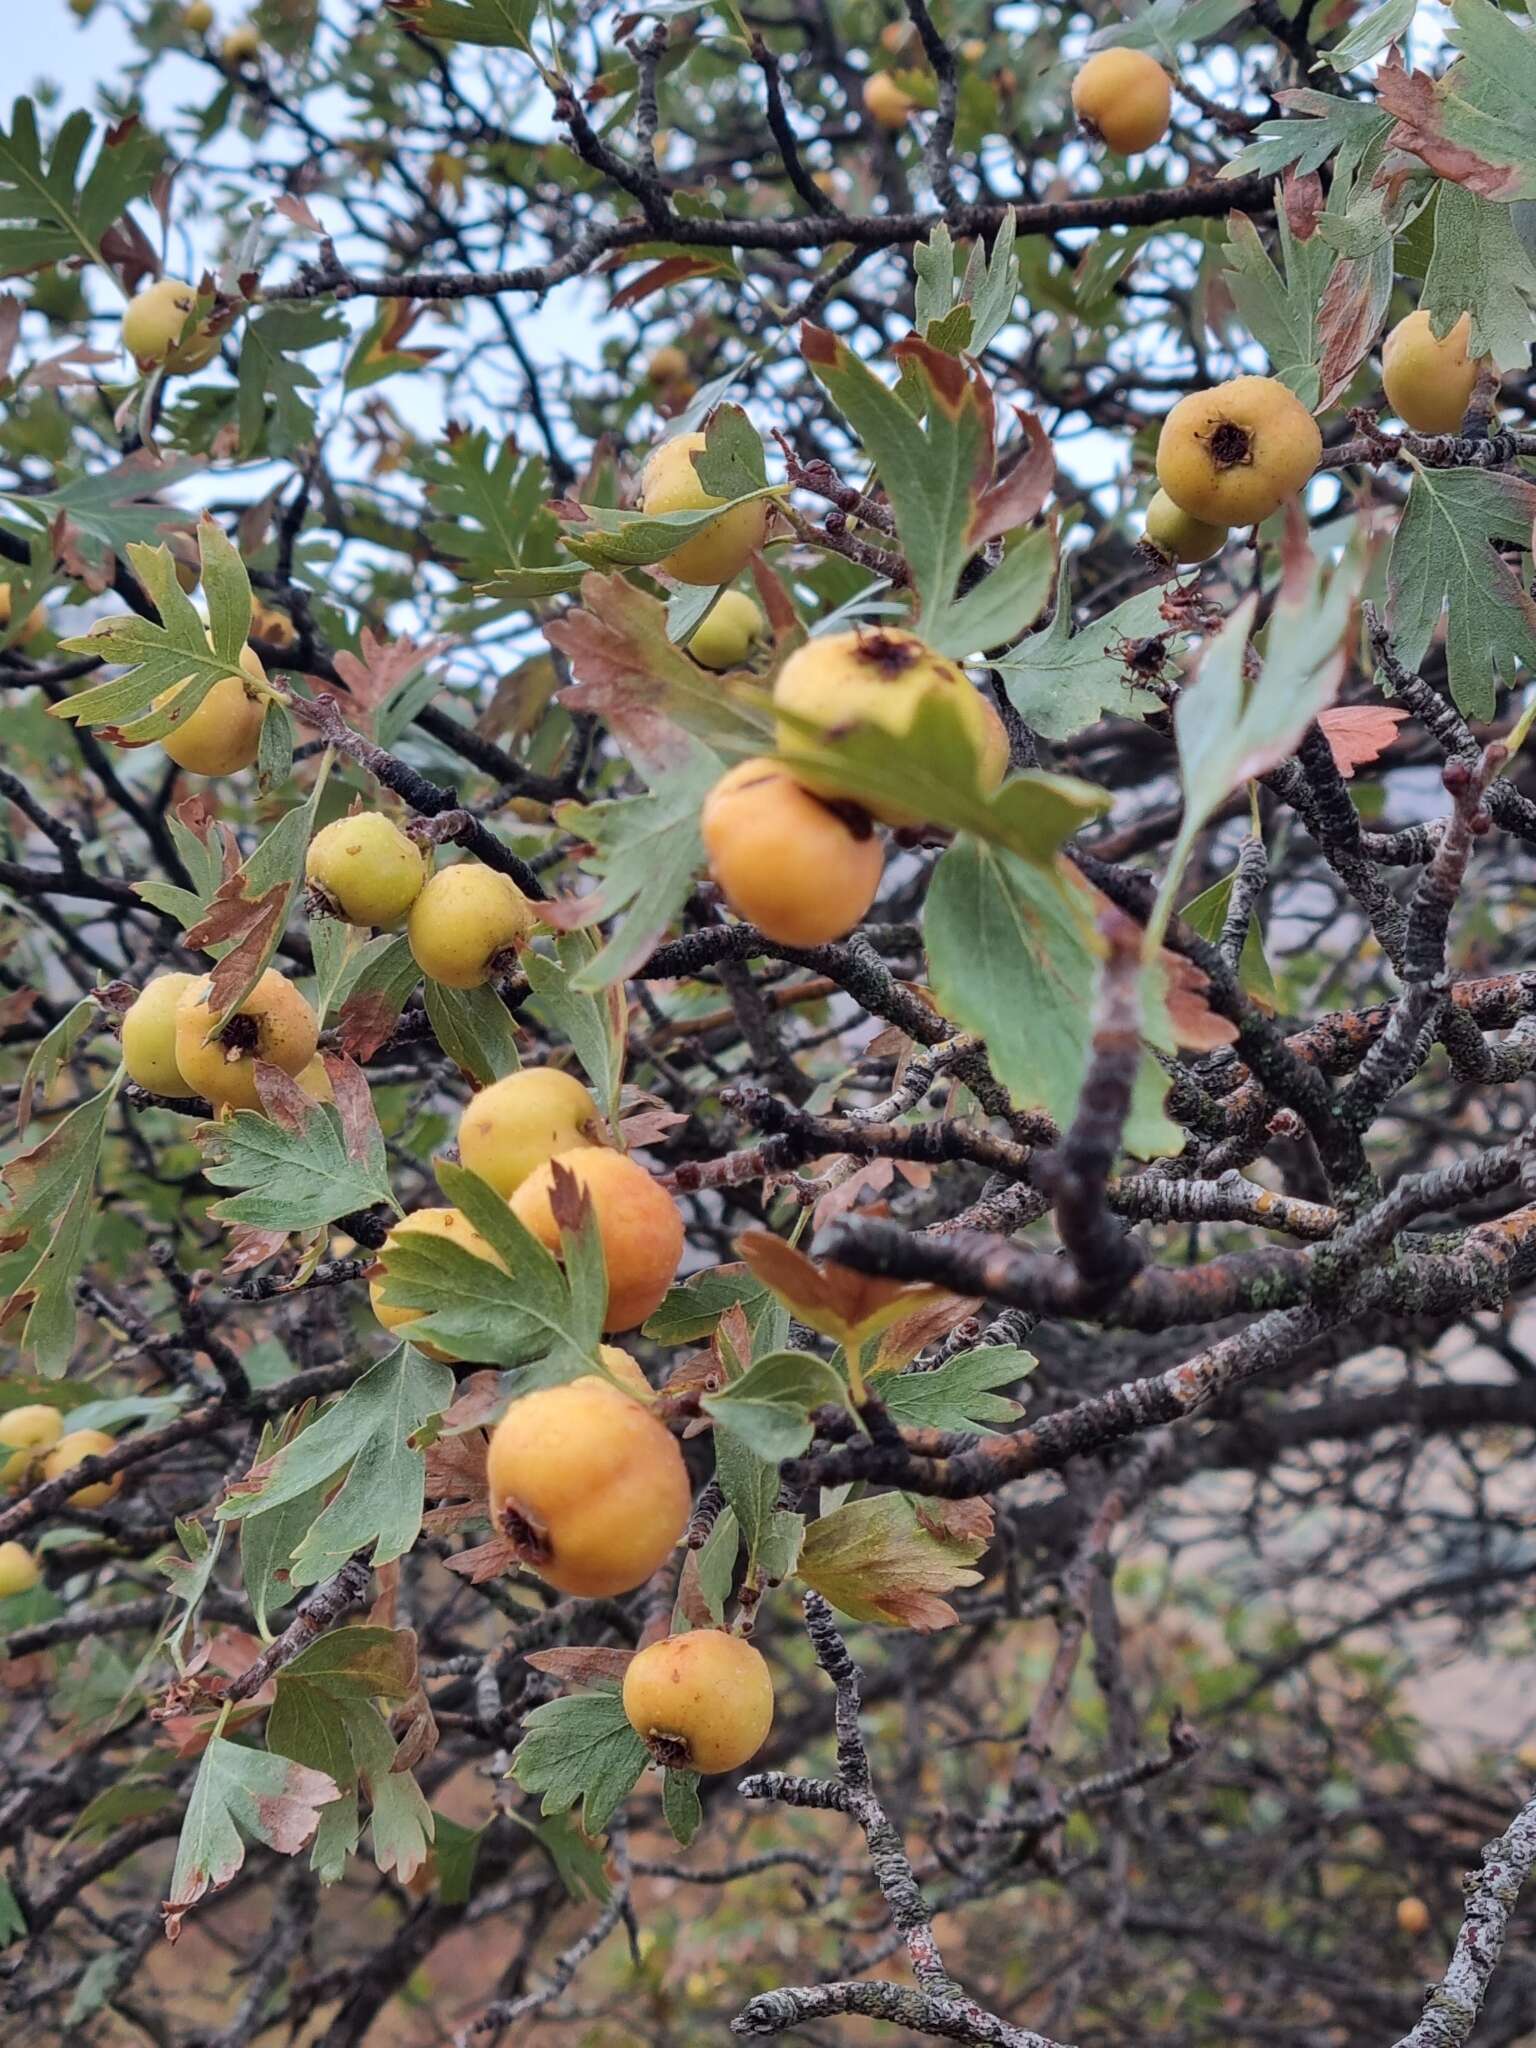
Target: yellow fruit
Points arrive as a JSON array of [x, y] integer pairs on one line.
[[1412, 1916], [223, 734], [241, 46], [803, 872], [901, 39], [67, 1454], [728, 632], [668, 366], [316, 1082], [1429, 383], [19, 1570], [625, 1369], [589, 1486], [878, 676], [973, 49], [1180, 537], [273, 626], [640, 1226], [1124, 97], [198, 18], [274, 1023], [700, 1702], [367, 867], [464, 918], [1233, 454], [152, 325], [149, 1036], [670, 483], [886, 104], [25, 1432], [34, 623], [510, 1128], [455, 1228]]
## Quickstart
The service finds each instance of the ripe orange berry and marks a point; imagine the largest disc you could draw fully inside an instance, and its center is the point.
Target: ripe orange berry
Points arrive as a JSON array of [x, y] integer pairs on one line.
[[589, 1486], [274, 1023], [1429, 382], [803, 872], [1412, 1916], [701, 1701], [454, 1227], [887, 104], [463, 919], [879, 676], [670, 483], [509, 1129], [1233, 454], [27, 1432], [640, 1226], [19, 1570], [1124, 97], [1179, 537], [68, 1452]]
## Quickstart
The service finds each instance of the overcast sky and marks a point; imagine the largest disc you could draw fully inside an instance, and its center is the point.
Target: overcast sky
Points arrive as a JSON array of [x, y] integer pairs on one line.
[[44, 40]]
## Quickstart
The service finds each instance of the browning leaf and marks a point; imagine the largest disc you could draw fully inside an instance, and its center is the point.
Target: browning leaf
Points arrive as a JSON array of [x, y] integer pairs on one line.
[[831, 1298], [1358, 734], [578, 1668]]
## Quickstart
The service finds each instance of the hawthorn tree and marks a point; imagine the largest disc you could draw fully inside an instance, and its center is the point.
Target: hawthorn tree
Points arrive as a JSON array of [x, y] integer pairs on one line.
[[836, 694]]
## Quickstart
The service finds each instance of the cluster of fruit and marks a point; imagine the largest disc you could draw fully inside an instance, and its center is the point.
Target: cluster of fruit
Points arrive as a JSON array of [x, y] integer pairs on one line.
[[34, 1446], [587, 1485], [460, 922], [799, 855]]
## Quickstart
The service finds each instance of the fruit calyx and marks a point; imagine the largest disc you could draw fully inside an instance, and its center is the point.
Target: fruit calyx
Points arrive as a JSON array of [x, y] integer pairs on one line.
[[1231, 446], [241, 1035], [526, 1534], [891, 653], [669, 1752]]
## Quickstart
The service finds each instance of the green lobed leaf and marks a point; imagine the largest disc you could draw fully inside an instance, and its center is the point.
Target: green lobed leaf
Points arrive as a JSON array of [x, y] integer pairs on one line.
[[241, 1795], [54, 1191], [1443, 558], [769, 1408], [177, 654], [959, 1394], [592, 1024], [1002, 604], [1206, 913], [646, 854], [928, 472], [1013, 955], [1480, 265], [715, 1562], [366, 1435], [490, 507], [580, 1748], [877, 1561], [296, 1180], [1060, 682], [474, 1028], [1320, 125], [496, 24], [680, 1805], [1279, 304], [691, 1311], [50, 214], [274, 413], [531, 1310]]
